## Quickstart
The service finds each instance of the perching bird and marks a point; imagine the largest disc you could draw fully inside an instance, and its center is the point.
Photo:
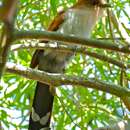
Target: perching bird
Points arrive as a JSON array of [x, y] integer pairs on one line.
[[79, 21]]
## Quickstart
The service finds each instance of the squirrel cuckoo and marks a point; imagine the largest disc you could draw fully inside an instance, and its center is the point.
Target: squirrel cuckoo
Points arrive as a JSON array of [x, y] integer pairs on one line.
[[78, 20]]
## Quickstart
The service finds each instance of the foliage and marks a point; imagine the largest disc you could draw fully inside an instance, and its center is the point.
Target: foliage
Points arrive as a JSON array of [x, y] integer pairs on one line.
[[74, 107]]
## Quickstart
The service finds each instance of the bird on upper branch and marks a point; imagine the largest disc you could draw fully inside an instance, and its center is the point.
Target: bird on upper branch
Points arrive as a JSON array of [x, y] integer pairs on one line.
[[79, 21]]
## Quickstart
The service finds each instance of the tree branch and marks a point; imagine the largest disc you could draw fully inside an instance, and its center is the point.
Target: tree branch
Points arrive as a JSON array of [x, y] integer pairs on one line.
[[70, 48], [54, 36], [60, 79], [7, 13], [8, 10]]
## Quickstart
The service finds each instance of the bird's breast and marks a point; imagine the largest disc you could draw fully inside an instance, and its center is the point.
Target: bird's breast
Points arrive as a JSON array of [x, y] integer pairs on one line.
[[78, 22]]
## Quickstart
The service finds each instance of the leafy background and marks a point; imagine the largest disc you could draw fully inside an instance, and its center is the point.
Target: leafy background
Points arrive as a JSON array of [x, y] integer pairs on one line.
[[74, 108]]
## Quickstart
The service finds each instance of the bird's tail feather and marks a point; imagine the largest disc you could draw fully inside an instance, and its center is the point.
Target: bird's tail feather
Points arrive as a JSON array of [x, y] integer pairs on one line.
[[42, 108]]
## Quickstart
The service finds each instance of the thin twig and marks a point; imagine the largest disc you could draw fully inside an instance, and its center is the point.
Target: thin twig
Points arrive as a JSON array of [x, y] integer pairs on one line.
[[63, 105]]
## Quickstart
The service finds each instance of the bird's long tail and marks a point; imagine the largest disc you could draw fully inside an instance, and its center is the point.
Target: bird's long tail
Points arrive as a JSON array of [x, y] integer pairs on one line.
[[42, 108]]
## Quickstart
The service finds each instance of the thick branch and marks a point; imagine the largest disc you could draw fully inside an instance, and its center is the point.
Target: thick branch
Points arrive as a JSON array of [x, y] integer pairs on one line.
[[60, 79], [54, 36], [7, 12], [70, 48]]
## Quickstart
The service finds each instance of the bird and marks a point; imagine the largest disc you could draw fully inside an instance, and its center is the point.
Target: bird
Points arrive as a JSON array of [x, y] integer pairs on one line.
[[79, 20]]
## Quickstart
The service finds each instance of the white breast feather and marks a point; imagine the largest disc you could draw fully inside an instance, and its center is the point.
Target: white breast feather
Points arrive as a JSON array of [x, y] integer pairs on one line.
[[80, 22]]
